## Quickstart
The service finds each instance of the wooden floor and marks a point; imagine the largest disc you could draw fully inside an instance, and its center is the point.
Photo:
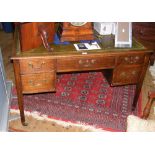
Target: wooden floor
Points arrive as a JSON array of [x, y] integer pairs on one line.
[[6, 40]]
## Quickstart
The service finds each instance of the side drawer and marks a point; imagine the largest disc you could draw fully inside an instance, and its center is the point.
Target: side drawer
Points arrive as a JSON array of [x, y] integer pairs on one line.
[[36, 65], [131, 59], [35, 83], [85, 63], [126, 75]]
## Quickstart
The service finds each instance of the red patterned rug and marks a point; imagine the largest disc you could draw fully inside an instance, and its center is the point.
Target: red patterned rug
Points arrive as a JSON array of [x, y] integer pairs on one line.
[[85, 98]]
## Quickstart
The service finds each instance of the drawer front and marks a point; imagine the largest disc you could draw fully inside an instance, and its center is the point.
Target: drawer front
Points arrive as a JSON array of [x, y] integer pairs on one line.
[[77, 32], [85, 32], [85, 63], [34, 83], [126, 75], [70, 32], [131, 59], [36, 65]]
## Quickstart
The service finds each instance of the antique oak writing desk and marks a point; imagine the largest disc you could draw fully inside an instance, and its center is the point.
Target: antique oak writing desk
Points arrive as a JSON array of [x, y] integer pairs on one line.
[[36, 70]]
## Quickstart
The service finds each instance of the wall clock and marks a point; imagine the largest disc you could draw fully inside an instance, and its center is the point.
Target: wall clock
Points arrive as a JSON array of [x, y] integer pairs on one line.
[[75, 31]]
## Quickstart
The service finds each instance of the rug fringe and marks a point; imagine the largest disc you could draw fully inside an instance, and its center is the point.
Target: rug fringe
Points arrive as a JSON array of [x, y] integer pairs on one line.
[[38, 116]]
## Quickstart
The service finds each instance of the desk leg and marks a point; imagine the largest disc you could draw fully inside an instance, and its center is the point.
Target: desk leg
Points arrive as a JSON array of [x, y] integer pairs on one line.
[[147, 108], [136, 97], [140, 82], [19, 90]]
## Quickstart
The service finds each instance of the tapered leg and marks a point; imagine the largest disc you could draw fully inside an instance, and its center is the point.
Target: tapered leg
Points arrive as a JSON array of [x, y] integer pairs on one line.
[[140, 82], [21, 108], [146, 112], [147, 108], [136, 97], [19, 90]]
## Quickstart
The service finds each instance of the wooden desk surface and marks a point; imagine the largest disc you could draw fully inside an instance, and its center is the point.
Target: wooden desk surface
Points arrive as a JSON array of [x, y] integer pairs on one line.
[[64, 50]]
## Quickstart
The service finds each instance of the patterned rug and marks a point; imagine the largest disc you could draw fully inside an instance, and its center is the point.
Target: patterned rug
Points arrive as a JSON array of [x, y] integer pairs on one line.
[[85, 98]]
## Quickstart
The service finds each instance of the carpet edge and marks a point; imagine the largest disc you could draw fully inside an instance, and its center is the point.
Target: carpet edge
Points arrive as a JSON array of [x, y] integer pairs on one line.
[[37, 116]]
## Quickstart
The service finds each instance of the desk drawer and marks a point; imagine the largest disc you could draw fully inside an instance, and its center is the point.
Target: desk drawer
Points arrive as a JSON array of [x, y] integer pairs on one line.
[[85, 63], [34, 83], [36, 65], [126, 75], [131, 59]]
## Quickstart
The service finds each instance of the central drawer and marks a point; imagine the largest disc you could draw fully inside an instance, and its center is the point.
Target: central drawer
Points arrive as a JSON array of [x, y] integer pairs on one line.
[[34, 83], [36, 65], [85, 63]]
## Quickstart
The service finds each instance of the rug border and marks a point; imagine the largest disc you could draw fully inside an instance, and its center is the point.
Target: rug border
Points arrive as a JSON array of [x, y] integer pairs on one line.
[[37, 116]]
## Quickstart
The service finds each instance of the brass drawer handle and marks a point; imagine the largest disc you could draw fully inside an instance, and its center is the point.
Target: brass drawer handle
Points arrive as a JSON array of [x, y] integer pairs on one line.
[[126, 59], [34, 84], [123, 74], [87, 62], [137, 57], [132, 59], [134, 72], [32, 66], [93, 61], [129, 60]]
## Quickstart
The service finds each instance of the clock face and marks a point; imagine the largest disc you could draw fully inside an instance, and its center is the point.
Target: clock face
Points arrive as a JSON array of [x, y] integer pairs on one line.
[[78, 23]]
